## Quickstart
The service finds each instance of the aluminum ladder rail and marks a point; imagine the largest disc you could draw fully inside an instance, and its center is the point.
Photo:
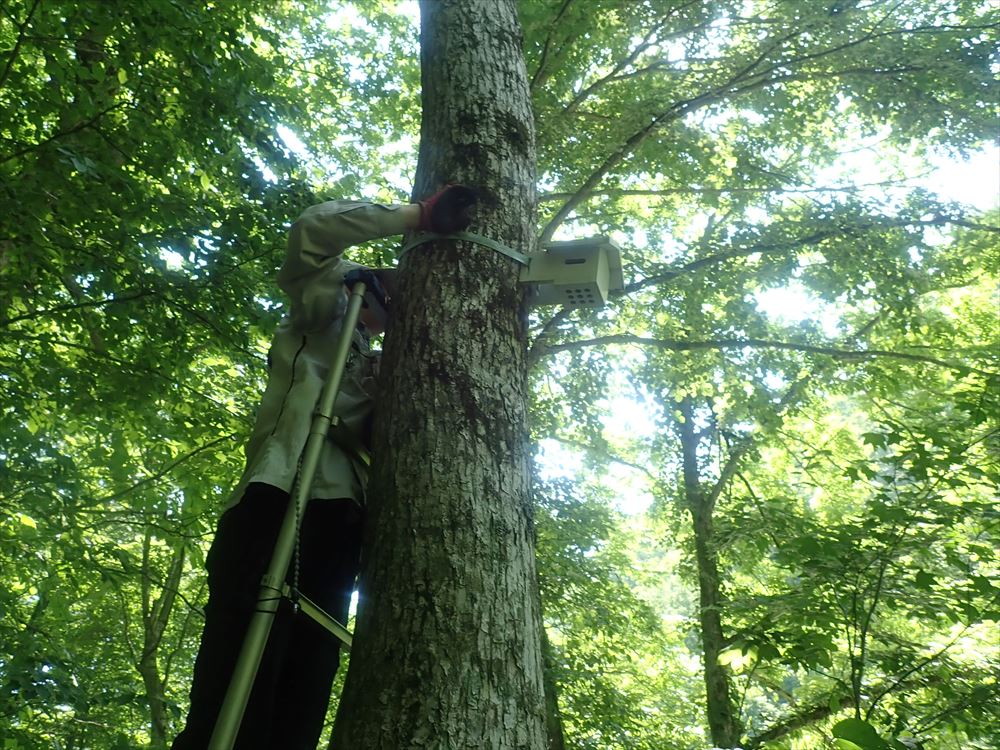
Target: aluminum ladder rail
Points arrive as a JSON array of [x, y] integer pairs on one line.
[[273, 586]]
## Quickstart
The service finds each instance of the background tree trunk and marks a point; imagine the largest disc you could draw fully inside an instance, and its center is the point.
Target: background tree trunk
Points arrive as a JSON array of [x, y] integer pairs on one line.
[[155, 617], [553, 719], [723, 722], [447, 653]]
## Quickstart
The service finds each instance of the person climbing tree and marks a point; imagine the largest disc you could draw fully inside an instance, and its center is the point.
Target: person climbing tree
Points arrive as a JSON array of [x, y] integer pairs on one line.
[[291, 691]]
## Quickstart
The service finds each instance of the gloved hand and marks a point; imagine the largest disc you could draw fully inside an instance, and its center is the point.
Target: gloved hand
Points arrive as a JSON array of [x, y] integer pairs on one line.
[[372, 285], [448, 210]]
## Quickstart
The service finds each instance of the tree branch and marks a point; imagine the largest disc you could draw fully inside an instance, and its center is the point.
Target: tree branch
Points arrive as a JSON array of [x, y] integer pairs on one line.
[[928, 723], [131, 367], [73, 306], [760, 511], [797, 721], [539, 348], [21, 35], [809, 239], [728, 89], [166, 470], [62, 133], [630, 59], [915, 668], [733, 464], [688, 346], [608, 456], [663, 192], [857, 675], [540, 73]]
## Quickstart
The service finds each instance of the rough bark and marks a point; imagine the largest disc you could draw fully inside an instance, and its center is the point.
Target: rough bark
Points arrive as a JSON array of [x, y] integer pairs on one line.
[[723, 723], [447, 651]]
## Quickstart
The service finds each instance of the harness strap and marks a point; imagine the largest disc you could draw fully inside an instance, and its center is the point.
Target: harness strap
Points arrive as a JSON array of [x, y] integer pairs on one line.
[[478, 239]]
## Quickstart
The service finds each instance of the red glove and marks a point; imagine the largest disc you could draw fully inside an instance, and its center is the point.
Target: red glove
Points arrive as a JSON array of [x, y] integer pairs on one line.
[[448, 210]]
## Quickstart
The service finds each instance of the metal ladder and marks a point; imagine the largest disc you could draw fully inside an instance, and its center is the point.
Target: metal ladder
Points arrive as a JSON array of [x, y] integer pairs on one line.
[[273, 586]]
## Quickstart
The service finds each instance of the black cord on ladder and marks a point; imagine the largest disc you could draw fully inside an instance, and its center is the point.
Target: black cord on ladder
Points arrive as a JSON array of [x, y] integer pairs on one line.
[[297, 556]]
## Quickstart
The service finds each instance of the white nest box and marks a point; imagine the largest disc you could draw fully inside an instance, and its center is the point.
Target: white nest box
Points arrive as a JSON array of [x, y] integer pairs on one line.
[[577, 273]]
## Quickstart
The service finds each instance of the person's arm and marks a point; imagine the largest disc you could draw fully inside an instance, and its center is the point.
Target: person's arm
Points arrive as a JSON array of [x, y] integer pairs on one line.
[[326, 230], [313, 272]]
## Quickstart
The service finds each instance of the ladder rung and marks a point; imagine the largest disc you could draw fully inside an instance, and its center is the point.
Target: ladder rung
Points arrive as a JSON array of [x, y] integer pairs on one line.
[[314, 611]]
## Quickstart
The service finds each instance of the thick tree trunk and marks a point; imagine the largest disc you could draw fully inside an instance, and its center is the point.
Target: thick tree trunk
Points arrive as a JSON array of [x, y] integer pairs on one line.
[[723, 722], [447, 651]]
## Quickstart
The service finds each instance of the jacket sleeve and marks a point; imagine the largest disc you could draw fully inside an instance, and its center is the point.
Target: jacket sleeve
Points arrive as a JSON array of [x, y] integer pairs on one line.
[[313, 272]]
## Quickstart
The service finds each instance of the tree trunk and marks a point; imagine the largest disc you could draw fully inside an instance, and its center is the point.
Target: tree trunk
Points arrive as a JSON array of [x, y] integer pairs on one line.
[[155, 617], [447, 651], [553, 720], [722, 720], [723, 723]]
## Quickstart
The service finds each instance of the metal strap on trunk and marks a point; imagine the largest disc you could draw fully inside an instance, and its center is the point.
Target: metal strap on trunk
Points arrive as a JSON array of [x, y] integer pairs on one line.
[[478, 239]]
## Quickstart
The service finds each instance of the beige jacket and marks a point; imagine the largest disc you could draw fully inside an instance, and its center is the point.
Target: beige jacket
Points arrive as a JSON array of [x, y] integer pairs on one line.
[[313, 278]]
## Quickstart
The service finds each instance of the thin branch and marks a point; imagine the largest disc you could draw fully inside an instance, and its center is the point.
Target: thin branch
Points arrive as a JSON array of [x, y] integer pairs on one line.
[[928, 723], [159, 615], [62, 133], [133, 368], [646, 42], [733, 463], [916, 668], [609, 457], [798, 721], [73, 306], [126, 157], [760, 511], [189, 615], [126, 629], [146, 584], [21, 32], [721, 92], [539, 348], [207, 323], [866, 629], [616, 158], [675, 111], [687, 346], [543, 61], [165, 470], [664, 192]]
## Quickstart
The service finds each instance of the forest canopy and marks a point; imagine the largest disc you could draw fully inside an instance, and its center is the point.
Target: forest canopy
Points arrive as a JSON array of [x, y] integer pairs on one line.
[[765, 474]]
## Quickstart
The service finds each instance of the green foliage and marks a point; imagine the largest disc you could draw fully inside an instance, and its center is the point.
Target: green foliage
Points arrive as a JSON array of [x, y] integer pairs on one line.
[[145, 184], [612, 654], [152, 154]]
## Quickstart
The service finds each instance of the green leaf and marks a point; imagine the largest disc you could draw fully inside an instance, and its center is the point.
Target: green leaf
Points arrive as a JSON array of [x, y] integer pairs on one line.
[[768, 652], [875, 439], [834, 704], [924, 579], [728, 656], [860, 733], [983, 585]]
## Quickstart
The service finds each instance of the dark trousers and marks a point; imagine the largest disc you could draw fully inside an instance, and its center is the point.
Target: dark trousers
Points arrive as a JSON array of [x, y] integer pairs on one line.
[[289, 698]]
